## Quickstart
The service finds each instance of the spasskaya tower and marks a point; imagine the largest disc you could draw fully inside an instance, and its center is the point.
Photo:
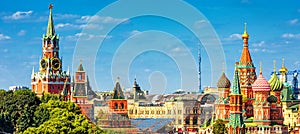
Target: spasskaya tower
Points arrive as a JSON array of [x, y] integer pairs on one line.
[[51, 78]]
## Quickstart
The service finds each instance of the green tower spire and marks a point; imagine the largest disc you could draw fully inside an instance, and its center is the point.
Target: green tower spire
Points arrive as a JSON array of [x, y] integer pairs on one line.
[[236, 83], [50, 28]]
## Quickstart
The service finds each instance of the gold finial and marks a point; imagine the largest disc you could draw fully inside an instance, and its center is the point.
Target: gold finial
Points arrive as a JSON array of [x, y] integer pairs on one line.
[[274, 69], [260, 67], [50, 6], [80, 61], [282, 62], [245, 34], [245, 27]]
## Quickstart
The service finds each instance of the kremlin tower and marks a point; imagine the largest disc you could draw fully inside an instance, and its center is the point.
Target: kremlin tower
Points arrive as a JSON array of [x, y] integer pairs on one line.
[[247, 75], [51, 78]]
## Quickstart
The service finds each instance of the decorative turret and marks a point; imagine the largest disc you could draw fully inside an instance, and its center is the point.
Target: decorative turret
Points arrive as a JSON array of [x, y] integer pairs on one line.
[[138, 94], [275, 84], [236, 123], [261, 106], [246, 57], [223, 82], [222, 102], [283, 70], [247, 75], [261, 84], [118, 93]]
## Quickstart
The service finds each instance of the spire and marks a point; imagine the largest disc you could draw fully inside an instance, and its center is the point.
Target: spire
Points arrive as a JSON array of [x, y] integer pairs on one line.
[[274, 68], [246, 59], [80, 67], [118, 93], [283, 69], [32, 74], [50, 28], [68, 71], [245, 36], [260, 67], [236, 84]]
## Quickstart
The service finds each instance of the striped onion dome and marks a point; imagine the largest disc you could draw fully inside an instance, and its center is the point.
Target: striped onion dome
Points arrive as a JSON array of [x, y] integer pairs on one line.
[[275, 84], [223, 82], [261, 84]]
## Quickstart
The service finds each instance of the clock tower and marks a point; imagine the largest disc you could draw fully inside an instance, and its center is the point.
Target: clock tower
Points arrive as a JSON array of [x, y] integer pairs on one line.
[[51, 78]]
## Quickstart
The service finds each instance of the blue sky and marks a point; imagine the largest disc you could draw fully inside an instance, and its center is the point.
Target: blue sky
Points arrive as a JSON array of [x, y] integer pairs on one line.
[[274, 29]]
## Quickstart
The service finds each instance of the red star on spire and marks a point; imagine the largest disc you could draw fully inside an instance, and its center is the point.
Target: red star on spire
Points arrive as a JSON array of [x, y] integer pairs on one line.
[[50, 6]]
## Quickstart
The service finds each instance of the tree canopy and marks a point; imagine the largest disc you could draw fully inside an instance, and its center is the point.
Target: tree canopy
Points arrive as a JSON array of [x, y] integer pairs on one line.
[[219, 127], [23, 112]]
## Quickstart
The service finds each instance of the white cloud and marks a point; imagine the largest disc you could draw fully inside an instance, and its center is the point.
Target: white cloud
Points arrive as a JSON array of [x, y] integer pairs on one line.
[[234, 36], [100, 19], [21, 33], [291, 36], [176, 49], [264, 50], [199, 24], [147, 70], [65, 16], [297, 63], [293, 21], [85, 36], [4, 37], [134, 32], [19, 15], [260, 44], [5, 50]]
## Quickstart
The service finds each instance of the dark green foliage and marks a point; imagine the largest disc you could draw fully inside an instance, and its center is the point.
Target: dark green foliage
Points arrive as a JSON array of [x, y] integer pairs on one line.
[[60, 117], [17, 108], [46, 97], [21, 111], [219, 127]]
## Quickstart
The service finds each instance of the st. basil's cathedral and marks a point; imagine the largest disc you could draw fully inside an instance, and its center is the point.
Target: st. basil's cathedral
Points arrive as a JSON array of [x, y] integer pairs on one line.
[[251, 104]]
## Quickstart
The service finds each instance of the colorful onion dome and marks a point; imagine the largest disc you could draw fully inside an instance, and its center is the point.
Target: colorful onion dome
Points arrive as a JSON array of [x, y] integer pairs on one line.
[[261, 84], [272, 99], [275, 84], [223, 82]]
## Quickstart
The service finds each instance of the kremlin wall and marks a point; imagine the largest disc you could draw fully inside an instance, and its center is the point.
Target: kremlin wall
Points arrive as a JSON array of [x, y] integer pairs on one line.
[[247, 104]]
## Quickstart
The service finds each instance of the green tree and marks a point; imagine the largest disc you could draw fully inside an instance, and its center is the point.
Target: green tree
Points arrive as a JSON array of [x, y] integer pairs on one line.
[[219, 127], [19, 107], [61, 117]]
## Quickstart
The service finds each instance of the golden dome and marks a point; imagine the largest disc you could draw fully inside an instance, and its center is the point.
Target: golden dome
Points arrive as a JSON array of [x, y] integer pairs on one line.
[[245, 34], [283, 69]]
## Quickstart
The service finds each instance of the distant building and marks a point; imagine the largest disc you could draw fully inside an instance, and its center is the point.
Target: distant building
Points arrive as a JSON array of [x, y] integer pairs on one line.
[[14, 88], [80, 94]]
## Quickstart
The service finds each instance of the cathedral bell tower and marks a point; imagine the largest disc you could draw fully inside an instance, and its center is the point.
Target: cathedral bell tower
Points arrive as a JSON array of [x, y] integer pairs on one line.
[[51, 78]]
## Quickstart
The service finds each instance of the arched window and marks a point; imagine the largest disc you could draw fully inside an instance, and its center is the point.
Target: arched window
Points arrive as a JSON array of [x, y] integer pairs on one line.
[[116, 106], [122, 106]]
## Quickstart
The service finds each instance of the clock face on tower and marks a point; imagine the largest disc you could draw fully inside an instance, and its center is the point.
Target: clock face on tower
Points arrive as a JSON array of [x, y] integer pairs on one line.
[[43, 64], [55, 63]]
